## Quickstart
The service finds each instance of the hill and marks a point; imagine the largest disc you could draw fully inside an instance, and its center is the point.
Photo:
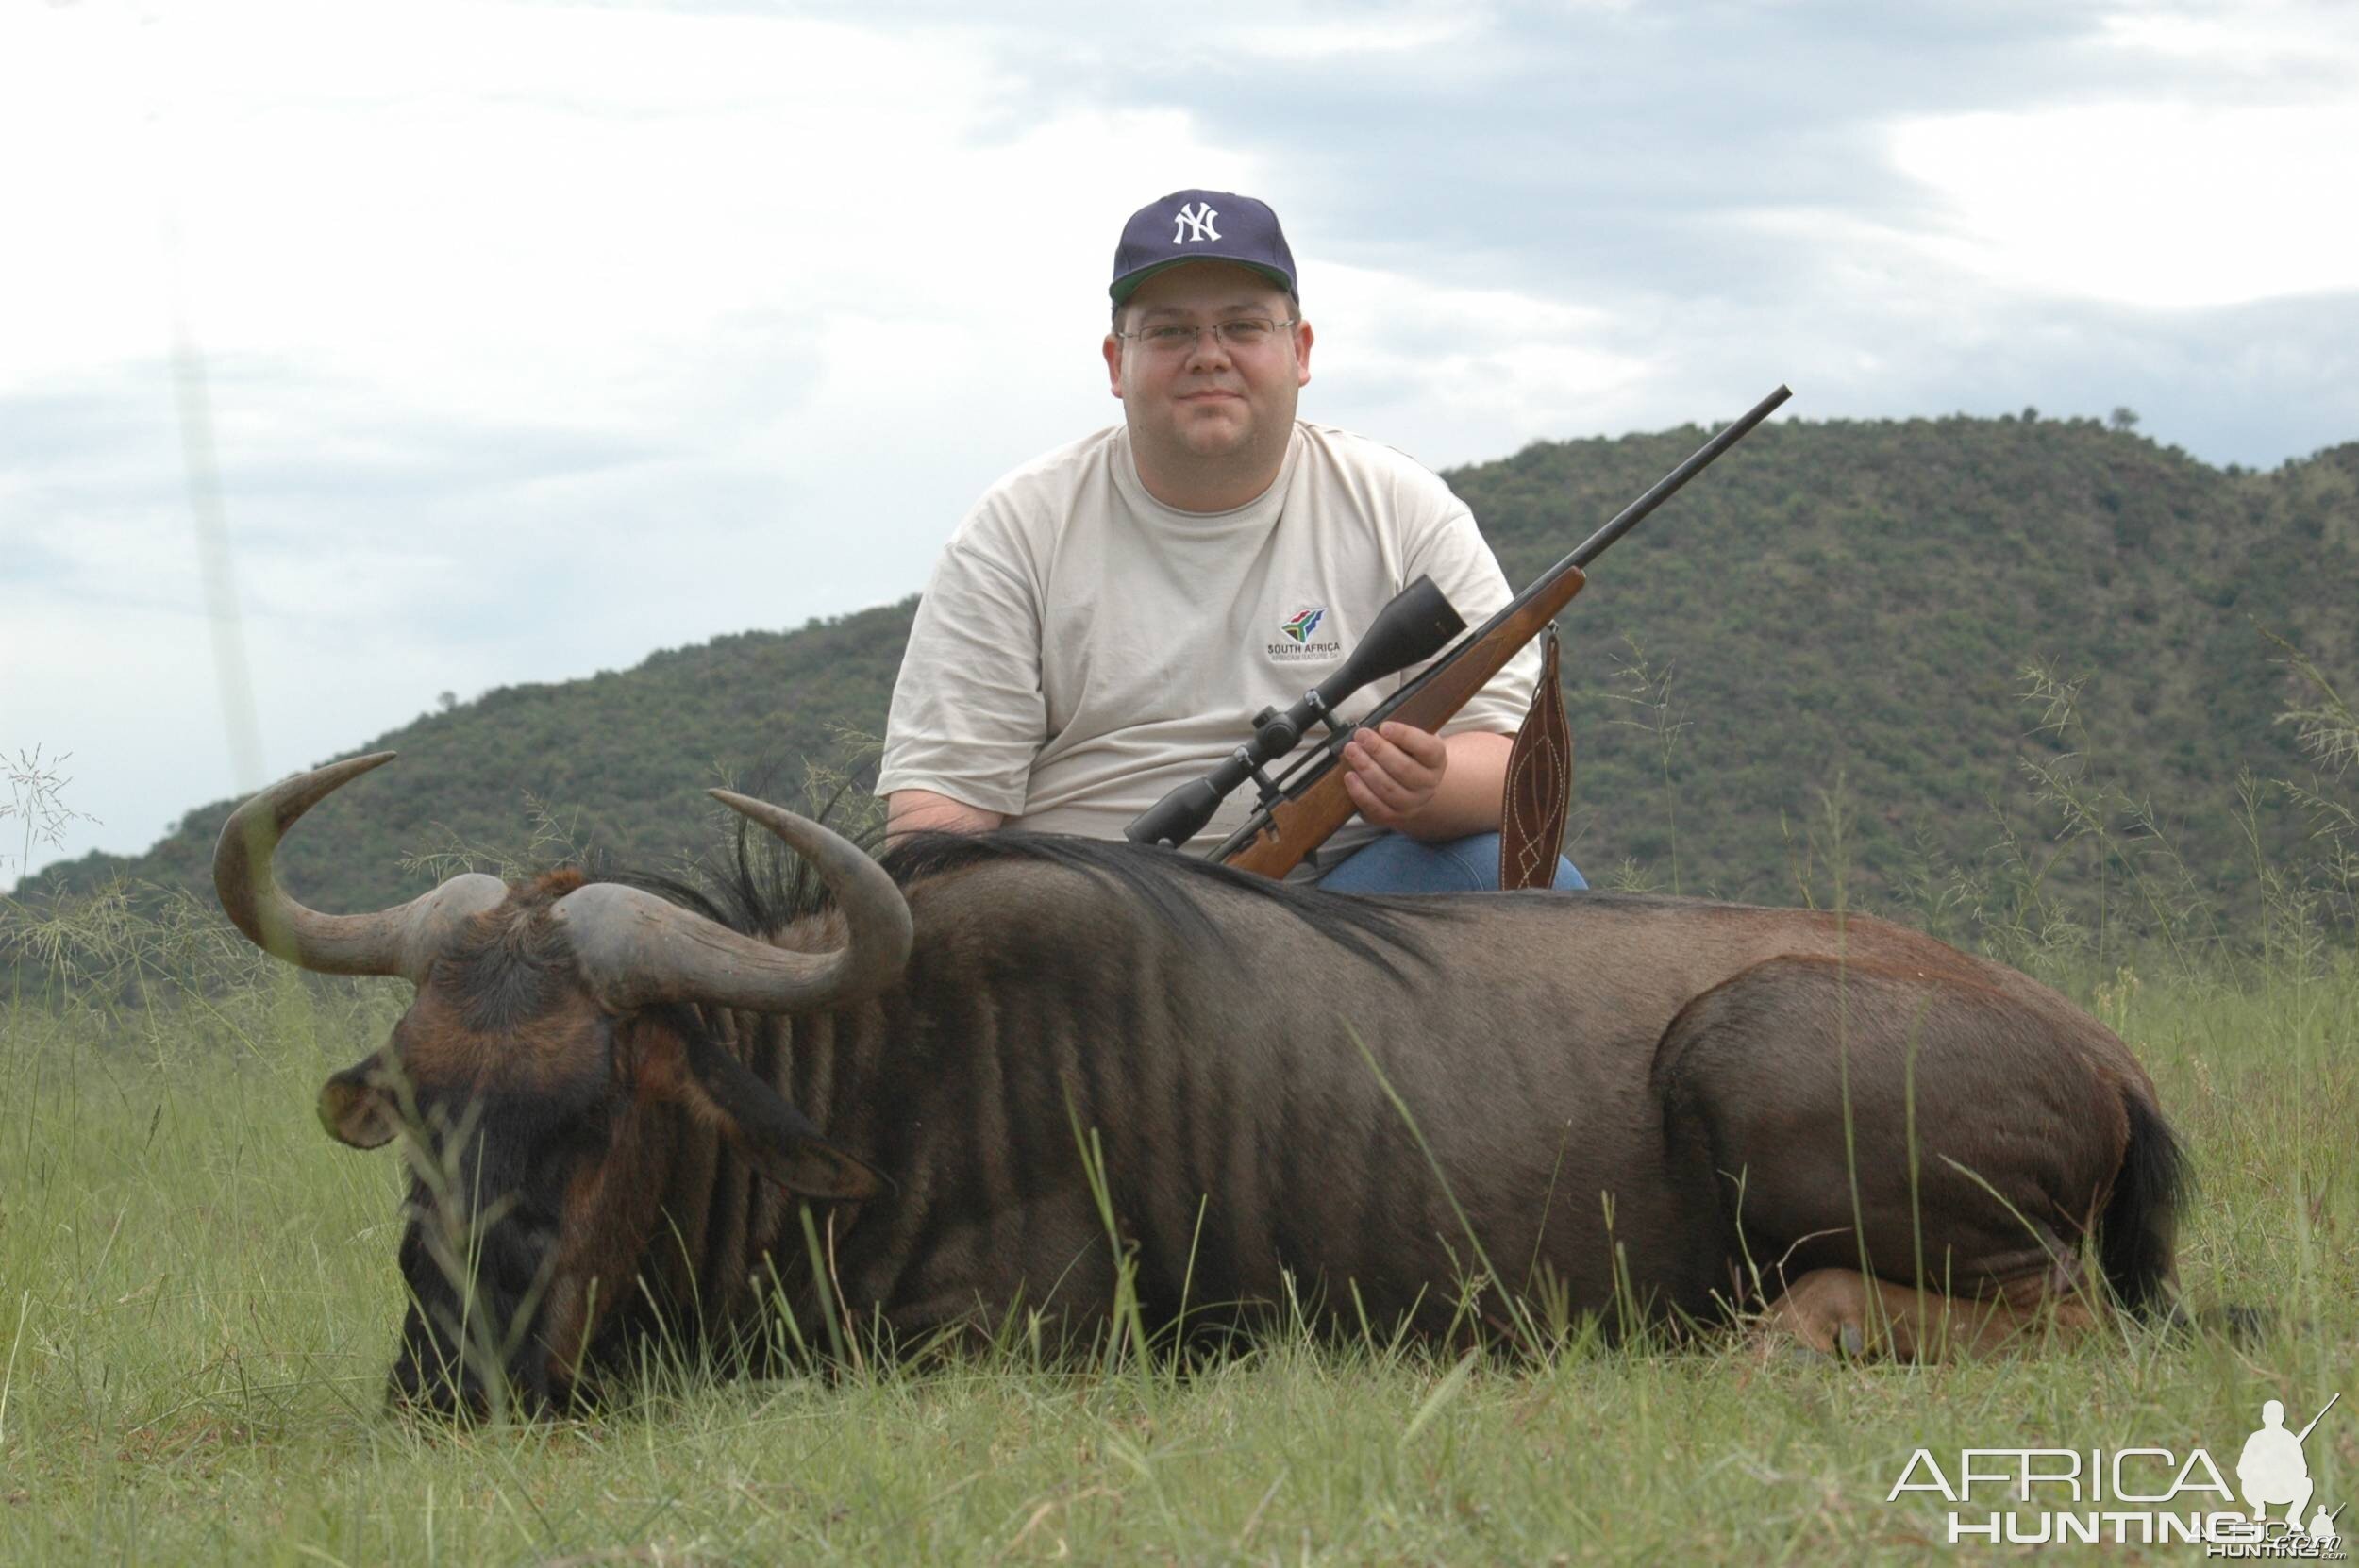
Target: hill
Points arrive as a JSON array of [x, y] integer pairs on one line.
[[1845, 601]]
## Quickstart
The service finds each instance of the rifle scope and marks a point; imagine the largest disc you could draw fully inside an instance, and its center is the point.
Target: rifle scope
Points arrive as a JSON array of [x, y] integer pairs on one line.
[[1417, 624]]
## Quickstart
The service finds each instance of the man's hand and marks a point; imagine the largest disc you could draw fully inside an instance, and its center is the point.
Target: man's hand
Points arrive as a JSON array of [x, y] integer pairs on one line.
[[1392, 771], [1417, 783]]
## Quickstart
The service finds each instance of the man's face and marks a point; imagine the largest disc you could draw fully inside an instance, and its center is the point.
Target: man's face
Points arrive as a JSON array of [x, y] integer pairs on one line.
[[1211, 401]]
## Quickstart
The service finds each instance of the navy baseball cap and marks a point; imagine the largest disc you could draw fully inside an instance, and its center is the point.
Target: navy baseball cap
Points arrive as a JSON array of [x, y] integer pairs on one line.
[[1201, 226]]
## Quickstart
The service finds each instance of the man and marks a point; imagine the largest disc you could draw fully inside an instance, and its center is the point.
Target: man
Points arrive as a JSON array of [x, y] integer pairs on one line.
[[1098, 629]]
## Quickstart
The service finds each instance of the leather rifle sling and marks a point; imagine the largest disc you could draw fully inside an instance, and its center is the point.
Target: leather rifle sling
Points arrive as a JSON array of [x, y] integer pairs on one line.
[[1539, 784]]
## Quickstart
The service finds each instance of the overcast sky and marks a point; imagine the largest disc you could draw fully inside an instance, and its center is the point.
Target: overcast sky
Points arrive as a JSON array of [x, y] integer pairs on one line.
[[514, 340]]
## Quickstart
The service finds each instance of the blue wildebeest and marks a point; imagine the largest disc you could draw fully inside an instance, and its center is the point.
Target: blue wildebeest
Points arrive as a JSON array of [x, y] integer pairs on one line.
[[1686, 1107]]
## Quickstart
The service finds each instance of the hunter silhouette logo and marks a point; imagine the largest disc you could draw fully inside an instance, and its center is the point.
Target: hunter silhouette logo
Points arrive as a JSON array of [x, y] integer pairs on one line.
[[1305, 622], [2271, 1471], [1195, 222], [2136, 1495]]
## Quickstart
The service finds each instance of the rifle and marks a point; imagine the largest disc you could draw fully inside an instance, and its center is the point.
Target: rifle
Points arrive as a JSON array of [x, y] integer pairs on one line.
[[1301, 808]]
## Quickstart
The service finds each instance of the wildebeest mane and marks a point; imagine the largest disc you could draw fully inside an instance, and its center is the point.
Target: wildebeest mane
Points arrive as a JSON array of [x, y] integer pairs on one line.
[[1171, 887], [758, 887]]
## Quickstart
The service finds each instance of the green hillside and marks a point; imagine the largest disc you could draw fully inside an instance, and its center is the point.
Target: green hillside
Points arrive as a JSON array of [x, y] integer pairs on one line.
[[1859, 601], [1847, 600]]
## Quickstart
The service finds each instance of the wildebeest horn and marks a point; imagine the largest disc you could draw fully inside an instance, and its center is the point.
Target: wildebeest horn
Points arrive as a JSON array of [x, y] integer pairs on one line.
[[401, 941], [635, 948]]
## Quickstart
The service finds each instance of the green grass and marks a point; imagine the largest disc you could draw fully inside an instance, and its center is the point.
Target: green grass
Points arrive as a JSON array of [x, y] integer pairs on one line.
[[197, 1304]]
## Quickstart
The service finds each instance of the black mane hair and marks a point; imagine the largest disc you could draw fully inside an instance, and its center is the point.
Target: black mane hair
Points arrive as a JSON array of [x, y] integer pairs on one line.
[[757, 886], [513, 963], [754, 885], [1170, 885]]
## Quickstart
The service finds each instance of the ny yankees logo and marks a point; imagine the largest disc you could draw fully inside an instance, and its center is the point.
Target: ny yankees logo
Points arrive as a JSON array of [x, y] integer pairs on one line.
[[1195, 222]]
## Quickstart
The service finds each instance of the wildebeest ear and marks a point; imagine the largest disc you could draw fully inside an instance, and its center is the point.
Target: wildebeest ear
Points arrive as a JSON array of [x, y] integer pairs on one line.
[[779, 1139], [357, 1108]]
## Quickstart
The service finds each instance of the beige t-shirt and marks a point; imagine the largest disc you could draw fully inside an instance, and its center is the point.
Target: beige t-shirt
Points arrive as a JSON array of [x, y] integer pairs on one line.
[[1083, 648]]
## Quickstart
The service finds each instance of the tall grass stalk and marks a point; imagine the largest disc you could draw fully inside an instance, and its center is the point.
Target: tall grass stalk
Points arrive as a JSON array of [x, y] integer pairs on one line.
[[1647, 693]]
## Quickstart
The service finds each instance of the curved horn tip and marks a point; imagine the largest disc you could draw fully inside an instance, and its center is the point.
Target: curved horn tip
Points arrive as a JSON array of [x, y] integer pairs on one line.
[[353, 767], [251, 897], [871, 903], [305, 789], [347, 766], [291, 797]]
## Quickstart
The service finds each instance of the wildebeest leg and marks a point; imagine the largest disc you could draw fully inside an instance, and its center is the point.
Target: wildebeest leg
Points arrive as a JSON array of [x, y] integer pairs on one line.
[[1921, 1129], [1844, 1311]]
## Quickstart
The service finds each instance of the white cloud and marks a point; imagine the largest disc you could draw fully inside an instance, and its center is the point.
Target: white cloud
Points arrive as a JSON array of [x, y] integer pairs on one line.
[[498, 206], [1401, 32], [2161, 205], [2272, 44], [1476, 372]]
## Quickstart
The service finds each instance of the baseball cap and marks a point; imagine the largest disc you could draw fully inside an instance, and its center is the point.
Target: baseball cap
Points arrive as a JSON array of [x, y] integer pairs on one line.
[[1201, 226]]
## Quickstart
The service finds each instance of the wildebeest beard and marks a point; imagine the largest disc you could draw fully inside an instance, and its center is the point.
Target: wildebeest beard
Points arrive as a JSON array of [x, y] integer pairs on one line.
[[478, 1249]]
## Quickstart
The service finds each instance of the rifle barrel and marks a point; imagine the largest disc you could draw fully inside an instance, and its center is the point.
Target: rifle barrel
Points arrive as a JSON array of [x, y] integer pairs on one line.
[[1595, 544], [1628, 517]]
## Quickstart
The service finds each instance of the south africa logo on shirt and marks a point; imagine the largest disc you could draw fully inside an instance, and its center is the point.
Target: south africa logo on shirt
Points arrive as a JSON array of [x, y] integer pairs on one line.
[[1299, 646]]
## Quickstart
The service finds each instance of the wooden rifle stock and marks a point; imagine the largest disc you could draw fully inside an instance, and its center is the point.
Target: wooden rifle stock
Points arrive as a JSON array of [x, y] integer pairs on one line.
[[1277, 837]]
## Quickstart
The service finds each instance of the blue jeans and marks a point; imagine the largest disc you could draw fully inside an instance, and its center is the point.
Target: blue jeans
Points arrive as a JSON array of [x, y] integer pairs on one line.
[[1398, 863]]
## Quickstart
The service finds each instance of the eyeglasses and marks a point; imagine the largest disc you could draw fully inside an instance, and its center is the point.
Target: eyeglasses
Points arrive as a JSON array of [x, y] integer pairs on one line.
[[1243, 335]]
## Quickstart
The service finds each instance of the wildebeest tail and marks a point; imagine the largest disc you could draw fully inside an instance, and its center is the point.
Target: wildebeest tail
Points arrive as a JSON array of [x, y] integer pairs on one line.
[[2136, 1239]]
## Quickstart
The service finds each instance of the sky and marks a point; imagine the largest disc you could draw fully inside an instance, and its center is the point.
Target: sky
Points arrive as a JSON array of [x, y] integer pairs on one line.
[[351, 354]]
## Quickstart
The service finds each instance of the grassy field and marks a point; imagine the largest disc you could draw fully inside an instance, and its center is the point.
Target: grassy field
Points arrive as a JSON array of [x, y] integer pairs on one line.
[[198, 1305]]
